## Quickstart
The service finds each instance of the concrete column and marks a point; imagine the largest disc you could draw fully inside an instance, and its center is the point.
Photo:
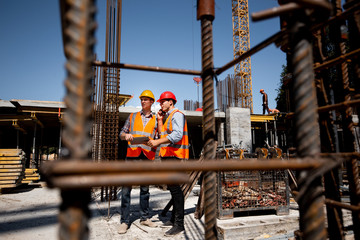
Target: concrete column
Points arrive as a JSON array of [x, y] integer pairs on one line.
[[221, 134], [238, 127]]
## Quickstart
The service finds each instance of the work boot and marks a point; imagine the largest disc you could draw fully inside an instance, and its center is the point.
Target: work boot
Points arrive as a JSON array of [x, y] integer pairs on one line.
[[167, 224], [175, 230], [148, 223], [123, 228]]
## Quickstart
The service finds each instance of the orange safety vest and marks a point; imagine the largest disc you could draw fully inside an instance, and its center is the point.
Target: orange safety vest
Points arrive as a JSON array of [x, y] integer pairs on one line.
[[137, 129], [179, 149]]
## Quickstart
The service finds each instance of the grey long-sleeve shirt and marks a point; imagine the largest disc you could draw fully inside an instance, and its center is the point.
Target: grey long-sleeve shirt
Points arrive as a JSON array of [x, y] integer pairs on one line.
[[178, 121]]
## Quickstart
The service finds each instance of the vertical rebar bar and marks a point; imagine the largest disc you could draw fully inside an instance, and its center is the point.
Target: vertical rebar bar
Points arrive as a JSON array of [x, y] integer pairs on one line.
[[352, 167], [80, 28], [312, 219], [206, 14]]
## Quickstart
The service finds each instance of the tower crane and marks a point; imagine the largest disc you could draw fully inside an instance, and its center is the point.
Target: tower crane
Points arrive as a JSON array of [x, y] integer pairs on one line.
[[241, 44]]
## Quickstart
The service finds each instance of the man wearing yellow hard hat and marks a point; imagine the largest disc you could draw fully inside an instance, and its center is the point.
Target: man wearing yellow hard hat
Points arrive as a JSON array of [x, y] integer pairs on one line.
[[139, 124]]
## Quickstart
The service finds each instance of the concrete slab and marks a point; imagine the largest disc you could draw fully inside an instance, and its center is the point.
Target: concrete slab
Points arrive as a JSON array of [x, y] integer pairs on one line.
[[6, 104], [258, 227], [36, 103]]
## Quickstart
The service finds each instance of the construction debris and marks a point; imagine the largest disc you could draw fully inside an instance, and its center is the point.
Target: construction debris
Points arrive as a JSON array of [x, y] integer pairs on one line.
[[253, 190]]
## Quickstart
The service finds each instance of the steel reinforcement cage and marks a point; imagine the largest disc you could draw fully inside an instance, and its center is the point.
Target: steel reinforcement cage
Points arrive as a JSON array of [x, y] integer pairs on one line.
[[77, 173]]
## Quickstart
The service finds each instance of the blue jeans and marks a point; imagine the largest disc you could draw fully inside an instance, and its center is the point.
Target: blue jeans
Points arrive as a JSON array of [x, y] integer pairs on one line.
[[126, 198], [125, 203]]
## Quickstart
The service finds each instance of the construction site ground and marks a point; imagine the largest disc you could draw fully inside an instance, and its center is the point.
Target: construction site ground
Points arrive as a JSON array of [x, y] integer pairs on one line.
[[30, 212]]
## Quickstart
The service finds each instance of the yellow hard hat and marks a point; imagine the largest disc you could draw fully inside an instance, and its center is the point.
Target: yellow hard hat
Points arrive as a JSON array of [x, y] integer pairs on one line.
[[147, 93]]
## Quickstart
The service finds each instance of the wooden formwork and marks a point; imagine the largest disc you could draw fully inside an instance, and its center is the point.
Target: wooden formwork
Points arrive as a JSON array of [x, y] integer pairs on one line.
[[12, 167]]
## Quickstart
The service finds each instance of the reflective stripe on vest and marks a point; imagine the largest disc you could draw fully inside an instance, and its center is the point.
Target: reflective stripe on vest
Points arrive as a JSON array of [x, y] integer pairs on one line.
[[137, 129], [179, 149]]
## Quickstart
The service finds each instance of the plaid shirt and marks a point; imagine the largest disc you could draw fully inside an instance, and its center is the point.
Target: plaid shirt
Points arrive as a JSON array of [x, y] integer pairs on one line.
[[145, 120]]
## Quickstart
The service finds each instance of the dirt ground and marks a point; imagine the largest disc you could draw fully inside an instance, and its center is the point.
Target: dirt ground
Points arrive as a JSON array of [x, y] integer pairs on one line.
[[31, 213]]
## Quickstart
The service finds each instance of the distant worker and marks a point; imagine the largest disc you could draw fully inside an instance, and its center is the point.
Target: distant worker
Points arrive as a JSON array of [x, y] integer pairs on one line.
[[140, 124], [265, 103], [174, 143]]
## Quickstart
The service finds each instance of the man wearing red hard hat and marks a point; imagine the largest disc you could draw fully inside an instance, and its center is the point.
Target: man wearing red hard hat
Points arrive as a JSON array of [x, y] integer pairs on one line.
[[174, 143]]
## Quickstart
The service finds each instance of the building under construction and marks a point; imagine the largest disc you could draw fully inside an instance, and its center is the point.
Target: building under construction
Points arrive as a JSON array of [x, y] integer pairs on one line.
[[246, 162]]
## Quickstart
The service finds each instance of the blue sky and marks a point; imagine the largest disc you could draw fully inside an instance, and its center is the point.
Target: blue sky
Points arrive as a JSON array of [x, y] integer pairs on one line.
[[162, 33]]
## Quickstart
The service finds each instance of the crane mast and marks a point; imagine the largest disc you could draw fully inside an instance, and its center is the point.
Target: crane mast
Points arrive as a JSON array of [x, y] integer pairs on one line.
[[241, 44]]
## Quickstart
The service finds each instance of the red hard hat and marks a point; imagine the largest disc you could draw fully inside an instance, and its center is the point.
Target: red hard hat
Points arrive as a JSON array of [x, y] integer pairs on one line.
[[167, 95], [261, 90]]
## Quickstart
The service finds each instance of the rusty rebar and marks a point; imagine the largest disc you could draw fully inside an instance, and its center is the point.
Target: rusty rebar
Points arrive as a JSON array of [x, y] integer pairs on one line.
[[305, 100], [353, 23], [312, 219], [87, 167], [347, 123], [80, 174], [336, 204], [339, 106], [206, 14], [77, 74], [339, 60], [290, 7], [278, 36], [110, 180], [146, 68], [79, 43]]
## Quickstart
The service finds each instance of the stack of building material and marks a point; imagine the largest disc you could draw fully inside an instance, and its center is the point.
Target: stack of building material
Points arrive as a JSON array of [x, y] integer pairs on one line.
[[12, 167], [31, 175]]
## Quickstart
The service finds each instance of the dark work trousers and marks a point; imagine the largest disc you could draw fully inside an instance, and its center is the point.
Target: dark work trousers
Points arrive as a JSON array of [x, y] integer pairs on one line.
[[126, 198], [265, 107], [177, 214], [177, 196]]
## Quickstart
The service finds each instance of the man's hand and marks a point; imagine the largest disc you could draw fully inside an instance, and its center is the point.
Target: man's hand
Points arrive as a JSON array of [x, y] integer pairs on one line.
[[157, 142], [129, 137], [160, 115], [152, 143]]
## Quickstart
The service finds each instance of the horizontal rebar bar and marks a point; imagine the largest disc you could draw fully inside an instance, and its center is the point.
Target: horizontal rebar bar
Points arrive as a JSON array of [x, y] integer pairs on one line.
[[289, 7], [334, 203], [337, 60], [89, 167], [124, 179], [277, 36], [338, 106], [220, 70], [251, 51], [145, 68], [342, 205]]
